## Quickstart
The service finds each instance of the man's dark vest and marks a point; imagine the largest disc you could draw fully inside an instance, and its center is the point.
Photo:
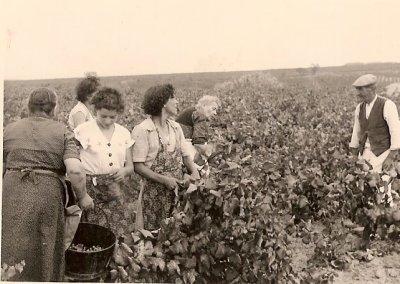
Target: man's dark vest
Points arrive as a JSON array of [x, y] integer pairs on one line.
[[374, 128]]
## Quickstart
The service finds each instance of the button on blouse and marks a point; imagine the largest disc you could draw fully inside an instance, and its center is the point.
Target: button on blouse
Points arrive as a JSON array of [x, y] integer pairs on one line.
[[98, 155]]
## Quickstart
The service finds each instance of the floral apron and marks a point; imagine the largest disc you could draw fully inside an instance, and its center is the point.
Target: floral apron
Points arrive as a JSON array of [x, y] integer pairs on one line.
[[156, 201], [112, 209]]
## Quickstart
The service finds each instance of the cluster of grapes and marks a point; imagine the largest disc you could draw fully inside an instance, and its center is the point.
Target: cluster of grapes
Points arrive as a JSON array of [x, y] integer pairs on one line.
[[82, 248]]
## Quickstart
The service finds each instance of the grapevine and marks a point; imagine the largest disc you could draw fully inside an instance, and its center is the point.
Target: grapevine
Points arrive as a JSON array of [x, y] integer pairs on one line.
[[283, 169]]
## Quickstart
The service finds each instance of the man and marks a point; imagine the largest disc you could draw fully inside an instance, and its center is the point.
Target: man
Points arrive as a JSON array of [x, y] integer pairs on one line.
[[376, 131]]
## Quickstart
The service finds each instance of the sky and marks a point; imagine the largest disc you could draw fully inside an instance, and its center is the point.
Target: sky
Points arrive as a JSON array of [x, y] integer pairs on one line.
[[60, 39]]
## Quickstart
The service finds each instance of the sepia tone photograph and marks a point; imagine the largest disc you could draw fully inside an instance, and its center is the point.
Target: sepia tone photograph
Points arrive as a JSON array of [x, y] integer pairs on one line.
[[194, 142]]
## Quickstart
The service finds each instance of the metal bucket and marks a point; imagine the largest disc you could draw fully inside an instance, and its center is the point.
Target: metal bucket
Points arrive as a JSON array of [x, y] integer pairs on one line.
[[87, 266]]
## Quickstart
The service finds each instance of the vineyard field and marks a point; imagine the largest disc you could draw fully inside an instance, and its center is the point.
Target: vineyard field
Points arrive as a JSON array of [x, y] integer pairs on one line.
[[283, 202]]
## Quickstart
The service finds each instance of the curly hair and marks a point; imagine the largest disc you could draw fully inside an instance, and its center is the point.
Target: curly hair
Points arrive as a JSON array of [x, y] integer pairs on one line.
[[108, 98], [86, 87], [156, 97]]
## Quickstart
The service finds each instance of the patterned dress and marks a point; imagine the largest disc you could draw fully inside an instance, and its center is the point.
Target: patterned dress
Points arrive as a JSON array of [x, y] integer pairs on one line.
[[32, 202], [156, 201]]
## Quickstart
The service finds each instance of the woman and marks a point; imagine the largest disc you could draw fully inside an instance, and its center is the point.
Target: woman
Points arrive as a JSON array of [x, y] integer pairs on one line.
[[84, 90], [195, 122], [105, 151], [158, 154], [38, 151]]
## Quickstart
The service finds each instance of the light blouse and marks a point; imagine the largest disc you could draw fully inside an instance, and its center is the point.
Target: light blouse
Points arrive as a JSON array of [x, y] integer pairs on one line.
[[147, 143], [98, 155], [80, 107]]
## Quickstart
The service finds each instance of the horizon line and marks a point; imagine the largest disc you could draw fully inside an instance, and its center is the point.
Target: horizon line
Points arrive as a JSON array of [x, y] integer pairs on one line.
[[200, 72]]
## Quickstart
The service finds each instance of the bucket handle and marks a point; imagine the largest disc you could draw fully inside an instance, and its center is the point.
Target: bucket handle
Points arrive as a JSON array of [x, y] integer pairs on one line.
[[98, 209]]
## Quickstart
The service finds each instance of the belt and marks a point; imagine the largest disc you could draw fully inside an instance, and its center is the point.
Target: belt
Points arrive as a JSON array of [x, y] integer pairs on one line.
[[31, 173]]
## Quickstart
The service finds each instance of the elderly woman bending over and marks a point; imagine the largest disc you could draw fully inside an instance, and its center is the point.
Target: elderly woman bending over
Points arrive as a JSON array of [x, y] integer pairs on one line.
[[158, 156], [195, 122], [38, 151]]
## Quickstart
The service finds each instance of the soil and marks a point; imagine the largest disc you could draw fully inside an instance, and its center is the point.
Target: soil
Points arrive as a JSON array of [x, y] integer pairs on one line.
[[385, 269], [381, 266]]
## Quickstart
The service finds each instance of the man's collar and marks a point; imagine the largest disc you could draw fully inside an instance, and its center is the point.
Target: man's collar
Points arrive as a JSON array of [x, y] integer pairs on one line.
[[373, 101]]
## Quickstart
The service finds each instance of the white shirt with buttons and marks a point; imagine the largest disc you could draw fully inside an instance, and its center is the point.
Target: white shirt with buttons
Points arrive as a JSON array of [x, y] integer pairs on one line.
[[98, 155]]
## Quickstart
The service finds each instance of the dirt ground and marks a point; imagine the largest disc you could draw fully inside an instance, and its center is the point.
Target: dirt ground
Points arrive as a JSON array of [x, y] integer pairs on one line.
[[385, 269], [374, 270]]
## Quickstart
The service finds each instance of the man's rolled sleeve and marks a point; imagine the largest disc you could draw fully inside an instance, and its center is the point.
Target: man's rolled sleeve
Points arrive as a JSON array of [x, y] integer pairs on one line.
[[391, 116], [355, 139], [141, 147]]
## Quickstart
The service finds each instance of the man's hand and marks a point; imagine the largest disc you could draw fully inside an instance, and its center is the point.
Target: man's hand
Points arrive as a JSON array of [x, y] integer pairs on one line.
[[388, 162], [354, 153], [86, 202]]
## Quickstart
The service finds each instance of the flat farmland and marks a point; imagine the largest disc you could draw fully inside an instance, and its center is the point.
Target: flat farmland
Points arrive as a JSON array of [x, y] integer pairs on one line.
[[283, 203]]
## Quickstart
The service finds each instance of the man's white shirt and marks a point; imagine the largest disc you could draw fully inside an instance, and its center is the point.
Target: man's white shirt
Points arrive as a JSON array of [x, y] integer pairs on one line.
[[391, 117]]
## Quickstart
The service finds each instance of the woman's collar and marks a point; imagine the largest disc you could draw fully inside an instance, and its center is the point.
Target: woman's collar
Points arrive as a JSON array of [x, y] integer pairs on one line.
[[150, 126]]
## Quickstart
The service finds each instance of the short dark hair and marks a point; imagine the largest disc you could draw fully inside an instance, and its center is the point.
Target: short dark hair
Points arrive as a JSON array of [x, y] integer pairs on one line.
[[42, 100], [86, 87], [108, 98], [156, 97]]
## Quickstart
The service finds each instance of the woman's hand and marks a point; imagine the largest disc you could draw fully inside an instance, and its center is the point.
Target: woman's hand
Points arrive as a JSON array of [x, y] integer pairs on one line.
[[195, 175], [192, 167], [86, 202], [170, 182], [118, 175]]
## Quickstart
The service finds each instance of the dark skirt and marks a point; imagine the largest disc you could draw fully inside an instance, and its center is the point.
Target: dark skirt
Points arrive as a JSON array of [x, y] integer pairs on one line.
[[33, 226]]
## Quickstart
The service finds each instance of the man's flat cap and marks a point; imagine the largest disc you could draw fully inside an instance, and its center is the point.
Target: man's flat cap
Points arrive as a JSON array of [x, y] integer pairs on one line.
[[365, 80]]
